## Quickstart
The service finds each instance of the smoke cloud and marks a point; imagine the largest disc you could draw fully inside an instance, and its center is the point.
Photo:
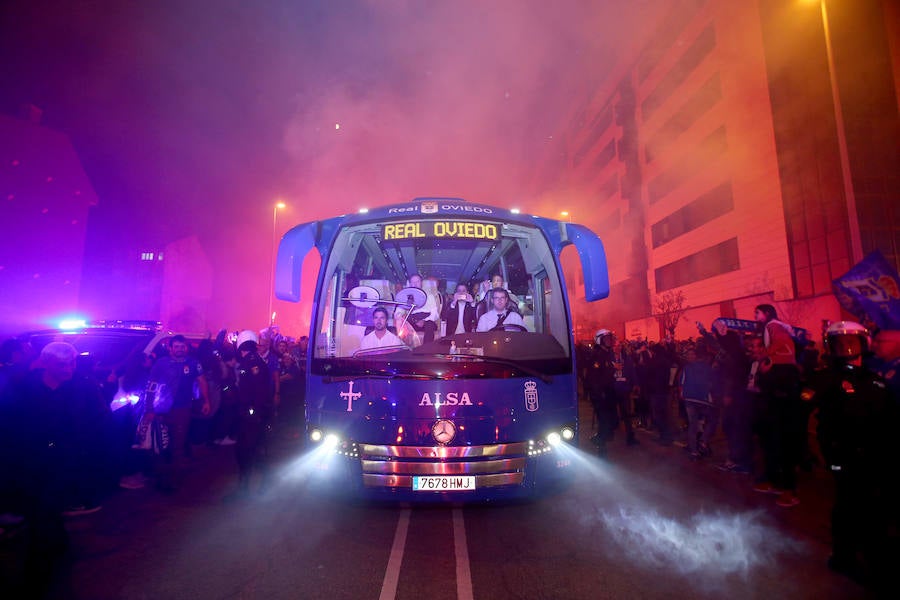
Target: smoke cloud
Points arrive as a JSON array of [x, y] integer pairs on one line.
[[451, 98], [717, 544]]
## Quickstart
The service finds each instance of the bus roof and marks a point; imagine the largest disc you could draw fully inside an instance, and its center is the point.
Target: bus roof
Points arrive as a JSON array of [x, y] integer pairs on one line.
[[297, 242]]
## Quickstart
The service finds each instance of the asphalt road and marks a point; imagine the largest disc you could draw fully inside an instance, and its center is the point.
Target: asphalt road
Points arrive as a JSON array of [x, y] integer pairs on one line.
[[647, 523]]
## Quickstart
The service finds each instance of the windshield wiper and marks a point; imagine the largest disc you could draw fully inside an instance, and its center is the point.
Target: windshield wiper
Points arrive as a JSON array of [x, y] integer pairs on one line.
[[498, 361], [340, 378]]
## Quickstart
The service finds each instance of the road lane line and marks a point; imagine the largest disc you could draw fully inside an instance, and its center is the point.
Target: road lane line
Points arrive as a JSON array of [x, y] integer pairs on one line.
[[463, 572], [392, 575]]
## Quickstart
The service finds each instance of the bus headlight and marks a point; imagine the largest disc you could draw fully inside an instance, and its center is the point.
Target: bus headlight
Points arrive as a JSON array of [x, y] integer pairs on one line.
[[568, 434], [316, 435], [331, 440], [554, 438]]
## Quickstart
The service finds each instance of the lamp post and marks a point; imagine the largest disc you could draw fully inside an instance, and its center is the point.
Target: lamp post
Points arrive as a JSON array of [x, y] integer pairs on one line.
[[849, 193], [270, 318]]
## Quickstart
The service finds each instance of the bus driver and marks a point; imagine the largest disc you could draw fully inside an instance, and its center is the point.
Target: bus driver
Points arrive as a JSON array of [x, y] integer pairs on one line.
[[499, 314], [380, 337]]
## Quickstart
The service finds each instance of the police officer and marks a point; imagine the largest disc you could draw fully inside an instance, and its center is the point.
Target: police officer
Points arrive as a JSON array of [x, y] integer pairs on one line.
[[854, 431], [599, 383], [255, 407], [886, 359]]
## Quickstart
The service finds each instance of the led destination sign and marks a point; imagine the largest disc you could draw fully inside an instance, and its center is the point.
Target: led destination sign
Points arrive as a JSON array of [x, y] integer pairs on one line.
[[440, 229]]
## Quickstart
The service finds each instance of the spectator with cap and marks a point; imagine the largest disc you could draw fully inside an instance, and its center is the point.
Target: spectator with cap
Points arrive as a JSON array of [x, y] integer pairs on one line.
[[43, 434]]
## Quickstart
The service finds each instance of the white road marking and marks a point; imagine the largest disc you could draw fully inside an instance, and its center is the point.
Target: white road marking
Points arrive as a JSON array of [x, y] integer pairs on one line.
[[392, 575], [395, 561], [463, 572]]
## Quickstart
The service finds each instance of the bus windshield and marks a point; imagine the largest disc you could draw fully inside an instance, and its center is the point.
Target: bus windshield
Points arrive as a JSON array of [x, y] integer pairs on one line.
[[465, 297]]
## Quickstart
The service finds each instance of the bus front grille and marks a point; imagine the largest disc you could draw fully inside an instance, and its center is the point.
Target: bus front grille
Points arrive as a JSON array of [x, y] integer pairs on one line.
[[395, 466]]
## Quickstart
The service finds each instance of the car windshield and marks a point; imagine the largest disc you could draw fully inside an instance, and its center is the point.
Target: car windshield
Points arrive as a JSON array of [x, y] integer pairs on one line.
[[428, 292]]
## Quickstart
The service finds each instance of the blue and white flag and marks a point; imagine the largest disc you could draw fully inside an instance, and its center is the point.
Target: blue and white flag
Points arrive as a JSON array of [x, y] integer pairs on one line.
[[871, 292], [799, 334]]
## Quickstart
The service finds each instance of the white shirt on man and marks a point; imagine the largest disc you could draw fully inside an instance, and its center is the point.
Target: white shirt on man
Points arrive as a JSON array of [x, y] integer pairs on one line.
[[371, 340], [489, 319]]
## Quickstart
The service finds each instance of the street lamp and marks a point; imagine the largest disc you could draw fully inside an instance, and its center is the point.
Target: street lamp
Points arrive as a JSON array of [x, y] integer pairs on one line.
[[278, 206], [849, 193]]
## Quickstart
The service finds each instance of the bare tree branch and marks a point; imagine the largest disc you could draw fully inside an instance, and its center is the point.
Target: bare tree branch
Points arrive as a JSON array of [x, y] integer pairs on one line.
[[670, 308]]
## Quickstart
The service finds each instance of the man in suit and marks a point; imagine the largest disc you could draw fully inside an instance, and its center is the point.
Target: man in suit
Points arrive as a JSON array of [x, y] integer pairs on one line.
[[459, 313]]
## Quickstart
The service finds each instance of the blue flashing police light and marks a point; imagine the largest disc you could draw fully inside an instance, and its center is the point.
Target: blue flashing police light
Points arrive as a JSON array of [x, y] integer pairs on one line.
[[70, 324]]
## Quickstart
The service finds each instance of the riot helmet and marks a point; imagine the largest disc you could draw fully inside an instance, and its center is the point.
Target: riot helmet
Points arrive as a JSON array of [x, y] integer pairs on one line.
[[246, 337], [604, 337], [846, 340]]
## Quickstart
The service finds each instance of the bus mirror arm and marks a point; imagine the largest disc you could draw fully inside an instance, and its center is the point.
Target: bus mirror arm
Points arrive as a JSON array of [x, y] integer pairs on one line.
[[294, 247]]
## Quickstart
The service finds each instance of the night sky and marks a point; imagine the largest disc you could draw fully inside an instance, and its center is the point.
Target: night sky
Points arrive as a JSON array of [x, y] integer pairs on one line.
[[192, 118]]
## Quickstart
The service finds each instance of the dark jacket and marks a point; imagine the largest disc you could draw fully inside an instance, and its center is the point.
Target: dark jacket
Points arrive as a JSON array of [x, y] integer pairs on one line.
[[599, 373], [451, 316], [254, 385], [856, 419], [48, 432]]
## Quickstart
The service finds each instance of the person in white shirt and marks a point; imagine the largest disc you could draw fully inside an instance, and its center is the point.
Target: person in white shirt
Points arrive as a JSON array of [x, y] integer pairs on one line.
[[459, 313], [380, 337], [499, 315]]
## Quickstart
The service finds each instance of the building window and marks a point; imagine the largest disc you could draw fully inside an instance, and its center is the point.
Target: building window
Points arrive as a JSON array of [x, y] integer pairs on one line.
[[609, 188], [700, 102], [709, 149], [687, 64], [716, 260], [665, 36], [606, 155], [597, 128], [711, 205], [147, 255]]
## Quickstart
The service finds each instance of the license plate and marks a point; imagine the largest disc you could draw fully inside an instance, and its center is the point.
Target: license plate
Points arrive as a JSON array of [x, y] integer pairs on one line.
[[444, 483]]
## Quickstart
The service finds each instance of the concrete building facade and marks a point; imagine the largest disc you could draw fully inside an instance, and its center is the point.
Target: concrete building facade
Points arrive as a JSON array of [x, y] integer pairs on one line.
[[748, 155]]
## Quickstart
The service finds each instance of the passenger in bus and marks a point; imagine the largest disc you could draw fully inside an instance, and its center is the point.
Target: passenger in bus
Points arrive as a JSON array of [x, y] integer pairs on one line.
[[460, 313], [379, 337], [425, 319], [500, 314], [485, 302]]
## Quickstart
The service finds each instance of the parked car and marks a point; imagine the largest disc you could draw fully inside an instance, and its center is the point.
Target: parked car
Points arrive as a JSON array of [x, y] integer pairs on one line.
[[107, 346]]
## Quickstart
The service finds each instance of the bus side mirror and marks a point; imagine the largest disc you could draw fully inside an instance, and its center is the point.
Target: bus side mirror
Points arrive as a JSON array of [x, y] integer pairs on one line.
[[593, 261], [294, 247]]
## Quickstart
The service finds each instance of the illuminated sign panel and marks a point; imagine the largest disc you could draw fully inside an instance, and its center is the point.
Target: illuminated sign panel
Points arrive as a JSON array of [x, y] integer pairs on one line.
[[440, 229]]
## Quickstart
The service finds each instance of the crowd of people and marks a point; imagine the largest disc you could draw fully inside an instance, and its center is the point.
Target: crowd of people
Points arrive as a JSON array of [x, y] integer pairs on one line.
[[71, 434], [768, 389]]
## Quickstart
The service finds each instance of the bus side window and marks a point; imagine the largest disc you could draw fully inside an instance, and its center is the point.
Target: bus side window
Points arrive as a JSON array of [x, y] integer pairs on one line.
[[350, 335]]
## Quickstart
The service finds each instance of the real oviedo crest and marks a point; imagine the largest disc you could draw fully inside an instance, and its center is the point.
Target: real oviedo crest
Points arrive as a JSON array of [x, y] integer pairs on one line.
[[531, 396]]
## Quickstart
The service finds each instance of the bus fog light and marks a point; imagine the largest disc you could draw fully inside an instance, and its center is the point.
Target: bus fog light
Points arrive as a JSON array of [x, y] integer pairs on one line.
[[554, 438]]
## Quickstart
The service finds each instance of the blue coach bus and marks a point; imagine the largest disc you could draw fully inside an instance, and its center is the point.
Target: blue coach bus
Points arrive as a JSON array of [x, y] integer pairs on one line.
[[439, 413]]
